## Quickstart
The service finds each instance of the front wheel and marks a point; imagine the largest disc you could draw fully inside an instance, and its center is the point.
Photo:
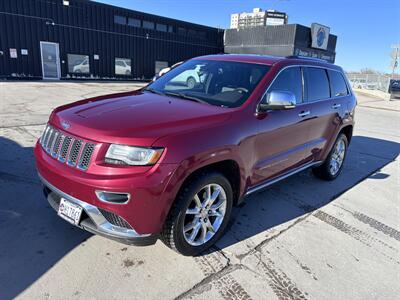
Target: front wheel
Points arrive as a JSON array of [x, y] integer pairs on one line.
[[333, 165], [199, 215]]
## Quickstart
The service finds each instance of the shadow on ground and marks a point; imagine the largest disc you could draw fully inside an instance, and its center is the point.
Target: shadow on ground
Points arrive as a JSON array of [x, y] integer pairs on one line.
[[33, 238]]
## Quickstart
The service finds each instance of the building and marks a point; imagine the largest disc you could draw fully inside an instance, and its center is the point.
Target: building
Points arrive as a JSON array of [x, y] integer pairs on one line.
[[55, 39], [283, 40], [258, 18]]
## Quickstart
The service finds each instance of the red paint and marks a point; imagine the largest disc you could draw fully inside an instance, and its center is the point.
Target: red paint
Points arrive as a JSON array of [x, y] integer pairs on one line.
[[194, 135]]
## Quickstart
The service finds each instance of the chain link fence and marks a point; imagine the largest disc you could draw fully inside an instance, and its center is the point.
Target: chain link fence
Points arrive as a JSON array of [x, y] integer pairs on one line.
[[369, 81]]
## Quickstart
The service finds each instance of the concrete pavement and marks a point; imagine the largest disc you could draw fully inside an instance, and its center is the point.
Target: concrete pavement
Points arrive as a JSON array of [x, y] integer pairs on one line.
[[302, 238]]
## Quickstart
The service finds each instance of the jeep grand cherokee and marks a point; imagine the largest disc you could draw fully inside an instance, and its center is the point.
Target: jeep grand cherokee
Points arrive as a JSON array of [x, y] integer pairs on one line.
[[170, 160]]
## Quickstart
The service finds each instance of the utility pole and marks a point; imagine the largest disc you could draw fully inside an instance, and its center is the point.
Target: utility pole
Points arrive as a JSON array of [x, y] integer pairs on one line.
[[395, 56]]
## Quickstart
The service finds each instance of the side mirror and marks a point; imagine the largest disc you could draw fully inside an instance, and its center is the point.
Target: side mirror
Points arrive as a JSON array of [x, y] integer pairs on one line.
[[277, 99]]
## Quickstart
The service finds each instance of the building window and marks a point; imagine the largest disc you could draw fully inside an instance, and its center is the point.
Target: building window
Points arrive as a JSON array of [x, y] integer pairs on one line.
[[161, 27], [78, 64], [181, 31], [134, 22], [122, 66], [170, 28], [148, 25], [120, 20]]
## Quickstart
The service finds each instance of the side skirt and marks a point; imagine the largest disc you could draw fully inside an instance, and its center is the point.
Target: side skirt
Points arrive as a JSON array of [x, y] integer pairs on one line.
[[281, 177]]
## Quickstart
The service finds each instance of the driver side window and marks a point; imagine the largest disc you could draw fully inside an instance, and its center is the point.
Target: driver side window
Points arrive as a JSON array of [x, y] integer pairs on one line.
[[289, 80]]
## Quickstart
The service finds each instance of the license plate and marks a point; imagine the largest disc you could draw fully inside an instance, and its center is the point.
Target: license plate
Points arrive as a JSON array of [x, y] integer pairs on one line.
[[69, 211]]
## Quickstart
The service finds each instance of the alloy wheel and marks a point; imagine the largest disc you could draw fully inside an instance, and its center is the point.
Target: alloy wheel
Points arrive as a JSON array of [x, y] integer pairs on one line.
[[205, 214], [337, 157]]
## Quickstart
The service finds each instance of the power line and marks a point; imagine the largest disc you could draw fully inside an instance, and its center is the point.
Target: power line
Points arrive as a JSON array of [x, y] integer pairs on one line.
[[50, 21]]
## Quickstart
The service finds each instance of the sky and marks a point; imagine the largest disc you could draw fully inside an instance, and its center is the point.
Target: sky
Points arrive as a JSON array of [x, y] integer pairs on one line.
[[366, 29]]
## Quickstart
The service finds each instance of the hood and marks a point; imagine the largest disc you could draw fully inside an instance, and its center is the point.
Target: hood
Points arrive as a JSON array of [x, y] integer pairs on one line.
[[138, 118]]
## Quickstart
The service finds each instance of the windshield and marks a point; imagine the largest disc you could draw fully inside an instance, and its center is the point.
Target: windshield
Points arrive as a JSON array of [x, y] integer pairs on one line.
[[220, 83]]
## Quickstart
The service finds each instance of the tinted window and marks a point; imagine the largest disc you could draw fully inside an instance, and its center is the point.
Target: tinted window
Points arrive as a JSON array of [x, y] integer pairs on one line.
[[134, 22], [289, 80], [317, 84], [120, 20], [338, 85], [220, 83], [148, 25]]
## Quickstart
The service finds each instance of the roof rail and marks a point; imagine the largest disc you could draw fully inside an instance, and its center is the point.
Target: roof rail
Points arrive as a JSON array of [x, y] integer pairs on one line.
[[306, 57]]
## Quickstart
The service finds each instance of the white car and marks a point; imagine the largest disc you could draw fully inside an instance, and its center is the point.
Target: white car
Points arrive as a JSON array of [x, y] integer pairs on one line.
[[83, 67], [190, 78], [122, 68]]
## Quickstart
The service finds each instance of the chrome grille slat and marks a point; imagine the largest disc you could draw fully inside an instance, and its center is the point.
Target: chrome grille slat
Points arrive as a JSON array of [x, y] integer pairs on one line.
[[53, 143], [50, 141], [86, 156], [46, 136], [43, 137], [74, 152], [57, 144], [67, 149]]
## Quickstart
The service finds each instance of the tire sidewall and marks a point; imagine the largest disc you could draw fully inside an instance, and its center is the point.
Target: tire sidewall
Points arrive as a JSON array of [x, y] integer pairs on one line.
[[180, 243]]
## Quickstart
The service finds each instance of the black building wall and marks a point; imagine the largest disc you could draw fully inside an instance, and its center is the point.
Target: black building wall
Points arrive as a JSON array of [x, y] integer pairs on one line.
[[88, 28]]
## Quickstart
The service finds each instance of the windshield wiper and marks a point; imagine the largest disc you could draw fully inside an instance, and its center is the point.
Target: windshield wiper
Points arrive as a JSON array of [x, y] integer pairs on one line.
[[153, 91], [187, 97]]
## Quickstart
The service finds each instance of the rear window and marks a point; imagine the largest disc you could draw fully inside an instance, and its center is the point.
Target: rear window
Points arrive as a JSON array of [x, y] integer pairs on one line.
[[338, 84], [317, 84]]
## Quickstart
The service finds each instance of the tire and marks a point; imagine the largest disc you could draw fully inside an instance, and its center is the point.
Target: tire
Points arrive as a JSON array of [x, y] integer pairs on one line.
[[325, 171], [173, 234], [191, 82]]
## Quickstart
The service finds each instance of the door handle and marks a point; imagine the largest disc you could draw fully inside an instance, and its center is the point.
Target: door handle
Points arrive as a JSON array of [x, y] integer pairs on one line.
[[336, 106], [304, 113]]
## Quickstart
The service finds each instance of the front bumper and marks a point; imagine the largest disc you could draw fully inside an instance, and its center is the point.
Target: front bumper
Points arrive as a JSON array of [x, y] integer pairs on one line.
[[94, 221]]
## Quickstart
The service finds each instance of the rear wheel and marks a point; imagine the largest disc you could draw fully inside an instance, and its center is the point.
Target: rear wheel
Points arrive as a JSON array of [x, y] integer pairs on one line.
[[191, 82], [199, 215], [333, 164]]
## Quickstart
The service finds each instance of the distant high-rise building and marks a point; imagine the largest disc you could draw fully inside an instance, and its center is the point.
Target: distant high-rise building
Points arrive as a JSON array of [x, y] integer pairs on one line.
[[258, 18]]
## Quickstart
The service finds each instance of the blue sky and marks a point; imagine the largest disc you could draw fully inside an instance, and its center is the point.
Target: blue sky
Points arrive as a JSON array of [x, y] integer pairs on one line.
[[365, 28]]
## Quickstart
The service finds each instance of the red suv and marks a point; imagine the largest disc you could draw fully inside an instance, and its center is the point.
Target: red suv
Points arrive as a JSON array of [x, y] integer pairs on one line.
[[170, 160]]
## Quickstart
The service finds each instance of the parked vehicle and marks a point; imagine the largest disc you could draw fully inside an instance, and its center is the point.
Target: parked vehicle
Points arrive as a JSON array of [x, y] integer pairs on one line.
[[364, 84], [82, 67], [394, 89], [170, 161], [122, 67]]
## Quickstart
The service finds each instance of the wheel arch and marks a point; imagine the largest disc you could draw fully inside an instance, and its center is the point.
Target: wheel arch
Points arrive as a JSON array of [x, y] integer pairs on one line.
[[347, 131], [228, 167]]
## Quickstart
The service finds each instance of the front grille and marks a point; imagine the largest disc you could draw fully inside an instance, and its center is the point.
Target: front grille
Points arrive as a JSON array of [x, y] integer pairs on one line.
[[115, 219], [67, 149]]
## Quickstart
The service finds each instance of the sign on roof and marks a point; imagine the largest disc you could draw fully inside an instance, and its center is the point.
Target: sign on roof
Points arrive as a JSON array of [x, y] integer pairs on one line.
[[319, 36]]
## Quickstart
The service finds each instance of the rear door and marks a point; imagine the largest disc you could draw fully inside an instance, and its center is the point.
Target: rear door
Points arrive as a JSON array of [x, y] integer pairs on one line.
[[325, 108], [282, 141]]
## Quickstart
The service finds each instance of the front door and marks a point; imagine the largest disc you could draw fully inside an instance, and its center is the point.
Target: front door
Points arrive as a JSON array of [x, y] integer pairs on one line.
[[50, 60], [283, 139]]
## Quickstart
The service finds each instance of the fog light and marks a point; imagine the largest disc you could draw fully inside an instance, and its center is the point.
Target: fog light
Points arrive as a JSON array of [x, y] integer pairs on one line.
[[113, 197]]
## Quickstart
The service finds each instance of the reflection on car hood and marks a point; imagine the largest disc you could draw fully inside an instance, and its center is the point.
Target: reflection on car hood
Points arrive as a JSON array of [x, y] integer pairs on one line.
[[143, 117]]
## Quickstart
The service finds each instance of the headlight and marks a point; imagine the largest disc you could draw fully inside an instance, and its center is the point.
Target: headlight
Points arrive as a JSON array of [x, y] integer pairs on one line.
[[133, 156]]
